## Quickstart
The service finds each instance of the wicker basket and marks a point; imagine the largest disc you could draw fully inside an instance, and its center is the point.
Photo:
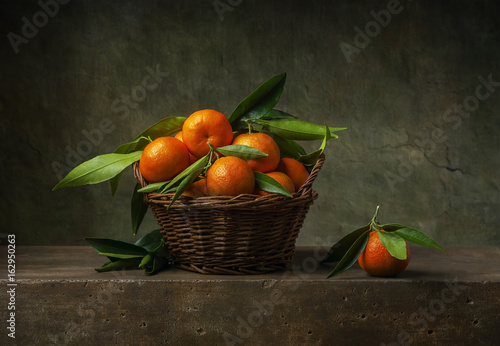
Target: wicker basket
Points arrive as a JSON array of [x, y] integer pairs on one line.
[[247, 234]]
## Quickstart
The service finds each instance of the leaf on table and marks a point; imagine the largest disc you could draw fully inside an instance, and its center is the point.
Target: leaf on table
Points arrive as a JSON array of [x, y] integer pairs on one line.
[[159, 262], [147, 260], [351, 255], [151, 241], [119, 264], [339, 249], [116, 248]]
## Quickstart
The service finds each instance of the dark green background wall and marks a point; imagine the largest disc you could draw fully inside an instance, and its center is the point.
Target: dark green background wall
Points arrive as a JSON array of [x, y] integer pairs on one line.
[[419, 94]]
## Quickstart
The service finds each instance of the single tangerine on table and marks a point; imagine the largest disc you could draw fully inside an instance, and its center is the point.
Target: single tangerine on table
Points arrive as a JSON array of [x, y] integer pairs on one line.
[[295, 170], [163, 159], [281, 178], [230, 176], [377, 261], [264, 143], [203, 127]]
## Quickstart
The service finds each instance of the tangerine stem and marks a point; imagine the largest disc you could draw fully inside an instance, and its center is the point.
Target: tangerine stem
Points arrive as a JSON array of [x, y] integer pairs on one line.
[[374, 222], [375, 216], [248, 121]]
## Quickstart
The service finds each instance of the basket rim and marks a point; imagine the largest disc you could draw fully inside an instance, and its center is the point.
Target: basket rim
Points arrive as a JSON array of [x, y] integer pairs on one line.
[[305, 193]]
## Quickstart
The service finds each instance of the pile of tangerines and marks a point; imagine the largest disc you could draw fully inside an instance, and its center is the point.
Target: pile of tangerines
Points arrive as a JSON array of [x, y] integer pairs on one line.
[[166, 157]]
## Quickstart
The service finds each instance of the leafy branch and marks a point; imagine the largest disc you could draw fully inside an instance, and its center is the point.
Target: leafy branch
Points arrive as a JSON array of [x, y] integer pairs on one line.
[[149, 253], [393, 236]]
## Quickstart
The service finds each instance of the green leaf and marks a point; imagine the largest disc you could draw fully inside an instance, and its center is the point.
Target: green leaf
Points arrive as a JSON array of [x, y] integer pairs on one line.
[[312, 158], [158, 263], [242, 151], [197, 166], [269, 184], [167, 186], [288, 147], [113, 182], [151, 241], [188, 180], [412, 235], [116, 248], [136, 145], [297, 129], [277, 114], [351, 255], [339, 249], [395, 244], [260, 101], [165, 127], [138, 209], [162, 250], [147, 260], [153, 187], [98, 169], [149, 252], [120, 264]]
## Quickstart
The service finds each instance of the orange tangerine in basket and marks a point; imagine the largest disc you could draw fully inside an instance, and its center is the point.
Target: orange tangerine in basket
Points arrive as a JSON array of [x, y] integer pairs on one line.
[[192, 158], [295, 170], [163, 159], [281, 178], [197, 189], [264, 143], [230, 176], [203, 127]]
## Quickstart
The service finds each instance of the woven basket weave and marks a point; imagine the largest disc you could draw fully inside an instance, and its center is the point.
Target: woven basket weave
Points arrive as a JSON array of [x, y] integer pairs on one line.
[[246, 234]]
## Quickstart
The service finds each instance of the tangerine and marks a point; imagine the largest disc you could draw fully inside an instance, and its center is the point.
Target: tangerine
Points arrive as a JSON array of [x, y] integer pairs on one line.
[[163, 159], [264, 143], [192, 158], [281, 178], [197, 189], [295, 170], [377, 261], [230, 176], [178, 135], [206, 126]]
